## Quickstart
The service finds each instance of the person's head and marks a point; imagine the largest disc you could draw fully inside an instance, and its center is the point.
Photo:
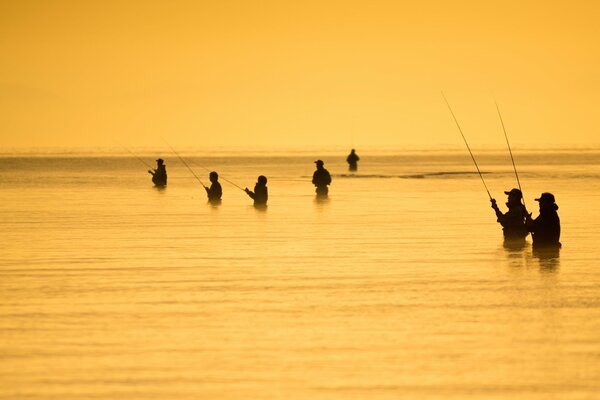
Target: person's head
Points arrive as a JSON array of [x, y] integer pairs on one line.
[[547, 201], [320, 164], [352, 151], [262, 180], [514, 196], [213, 176], [160, 161]]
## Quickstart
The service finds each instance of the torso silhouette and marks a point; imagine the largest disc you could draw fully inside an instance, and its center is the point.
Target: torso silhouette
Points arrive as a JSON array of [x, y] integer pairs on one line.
[[321, 179], [260, 194], [513, 221], [159, 177], [352, 161], [214, 192], [545, 229]]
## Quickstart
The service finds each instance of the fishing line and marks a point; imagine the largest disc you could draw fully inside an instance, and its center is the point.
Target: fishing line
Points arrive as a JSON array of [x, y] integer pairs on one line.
[[510, 151], [220, 176], [184, 163], [467, 144], [135, 155]]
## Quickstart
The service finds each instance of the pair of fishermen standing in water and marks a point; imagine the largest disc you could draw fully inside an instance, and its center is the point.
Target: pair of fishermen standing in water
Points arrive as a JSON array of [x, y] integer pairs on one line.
[[260, 195], [517, 222]]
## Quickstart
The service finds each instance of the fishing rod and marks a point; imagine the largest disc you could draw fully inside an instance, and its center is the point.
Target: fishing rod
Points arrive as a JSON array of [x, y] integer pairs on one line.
[[510, 151], [220, 176], [184, 163], [135, 155], [467, 144]]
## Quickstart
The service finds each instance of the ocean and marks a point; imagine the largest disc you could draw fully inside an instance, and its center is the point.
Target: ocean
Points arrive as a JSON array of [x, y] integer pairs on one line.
[[398, 286]]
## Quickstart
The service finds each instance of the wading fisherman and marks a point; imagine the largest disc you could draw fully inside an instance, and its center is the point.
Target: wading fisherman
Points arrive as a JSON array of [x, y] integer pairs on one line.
[[513, 221], [159, 175], [261, 192], [352, 160], [215, 191], [321, 179], [545, 229]]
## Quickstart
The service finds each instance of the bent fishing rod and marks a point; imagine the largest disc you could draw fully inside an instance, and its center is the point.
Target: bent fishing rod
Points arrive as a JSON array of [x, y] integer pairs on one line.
[[510, 152], [184, 163], [467, 144]]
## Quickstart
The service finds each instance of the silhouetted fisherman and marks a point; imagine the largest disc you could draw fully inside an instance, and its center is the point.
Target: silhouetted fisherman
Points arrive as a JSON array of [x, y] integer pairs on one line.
[[261, 192], [352, 160], [159, 175], [545, 229], [321, 179], [513, 221], [215, 191]]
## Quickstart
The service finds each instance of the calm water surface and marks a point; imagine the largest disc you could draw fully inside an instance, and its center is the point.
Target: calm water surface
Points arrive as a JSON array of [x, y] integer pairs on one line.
[[399, 286]]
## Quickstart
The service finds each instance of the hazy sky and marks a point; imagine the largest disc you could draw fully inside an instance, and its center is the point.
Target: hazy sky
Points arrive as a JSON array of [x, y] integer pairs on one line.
[[79, 73]]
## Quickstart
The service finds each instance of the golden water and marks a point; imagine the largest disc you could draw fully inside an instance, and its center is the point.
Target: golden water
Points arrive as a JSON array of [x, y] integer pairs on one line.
[[399, 286]]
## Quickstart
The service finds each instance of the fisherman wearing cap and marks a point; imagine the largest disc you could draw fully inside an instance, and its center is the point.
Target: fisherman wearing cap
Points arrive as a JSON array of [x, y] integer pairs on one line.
[[352, 160], [545, 229], [215, 191], [513, 221], [261, 193], [321, 179], [159, 175]]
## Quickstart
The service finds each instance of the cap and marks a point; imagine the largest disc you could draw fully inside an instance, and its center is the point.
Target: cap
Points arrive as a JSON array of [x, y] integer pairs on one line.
[[546, 198], [160, 160], [319, 162], [515, 192]]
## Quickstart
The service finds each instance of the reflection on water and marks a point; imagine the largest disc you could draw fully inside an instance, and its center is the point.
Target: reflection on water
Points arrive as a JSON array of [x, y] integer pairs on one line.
[[393, 288], [549, 258], [260, 207], [214, 203], [520, 254], [515, 246], [321, 200]]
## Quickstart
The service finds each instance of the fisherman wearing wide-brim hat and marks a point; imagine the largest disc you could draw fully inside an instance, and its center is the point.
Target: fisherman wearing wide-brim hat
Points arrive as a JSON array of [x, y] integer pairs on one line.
[[545, 229], [514, 220], [159, 175]]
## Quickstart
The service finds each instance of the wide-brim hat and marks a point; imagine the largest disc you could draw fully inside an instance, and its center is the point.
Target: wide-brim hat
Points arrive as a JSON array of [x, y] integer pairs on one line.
[[546, 198]]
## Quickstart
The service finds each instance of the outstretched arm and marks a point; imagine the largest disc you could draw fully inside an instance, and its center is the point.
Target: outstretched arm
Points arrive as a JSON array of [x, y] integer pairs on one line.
[[499, 214], [249, 193]]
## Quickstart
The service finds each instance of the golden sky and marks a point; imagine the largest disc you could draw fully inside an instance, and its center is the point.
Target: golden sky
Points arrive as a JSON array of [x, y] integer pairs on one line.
[[262, 73]]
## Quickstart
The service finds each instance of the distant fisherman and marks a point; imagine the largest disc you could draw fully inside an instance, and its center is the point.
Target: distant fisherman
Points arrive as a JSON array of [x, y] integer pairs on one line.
[[215, 191], [321, 179], [352, 160], [513, 221], [159, 175], [545, 229], [261, 193]]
